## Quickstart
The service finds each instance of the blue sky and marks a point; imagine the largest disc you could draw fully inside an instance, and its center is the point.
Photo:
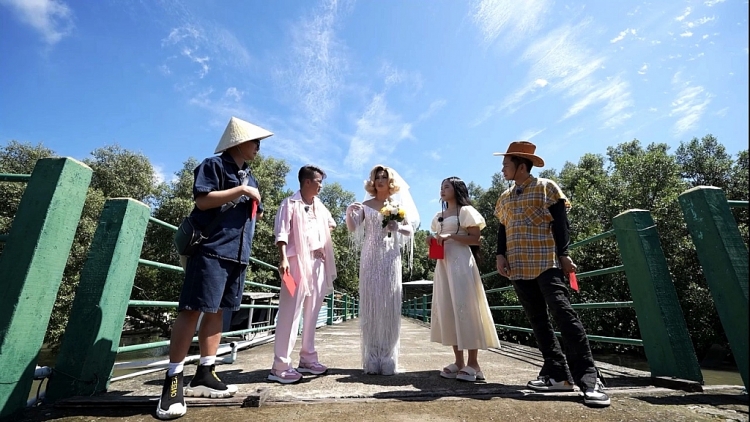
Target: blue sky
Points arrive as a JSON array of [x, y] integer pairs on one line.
[[431, 88]]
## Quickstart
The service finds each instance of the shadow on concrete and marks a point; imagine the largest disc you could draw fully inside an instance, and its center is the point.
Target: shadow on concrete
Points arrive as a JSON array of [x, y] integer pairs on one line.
[[705, 399]]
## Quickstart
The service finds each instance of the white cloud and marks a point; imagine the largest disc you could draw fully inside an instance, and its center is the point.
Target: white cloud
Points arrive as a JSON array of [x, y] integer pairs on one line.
[[689, 105], [177, 35], [684, 15], [686, 34], [378, 129], [614, 93], [653, 109], [705, 36], [622, 35], [711, 3], [317, 63], [643, 69], [234, 94], [561, 64], [435, 106], [530, 133], [53, 19], [722, 112], [201, 61], [434, 155], [512, 18], [700, 21]]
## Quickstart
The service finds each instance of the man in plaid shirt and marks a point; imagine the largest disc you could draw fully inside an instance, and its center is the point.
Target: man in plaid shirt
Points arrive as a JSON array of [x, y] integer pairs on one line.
[[532, 251]]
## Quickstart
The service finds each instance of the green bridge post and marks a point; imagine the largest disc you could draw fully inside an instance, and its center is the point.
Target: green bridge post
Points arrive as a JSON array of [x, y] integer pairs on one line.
[[346, 306], [666, 340], [89, 346], [723, 256], [424, 307], [32, 266], [330, 309]]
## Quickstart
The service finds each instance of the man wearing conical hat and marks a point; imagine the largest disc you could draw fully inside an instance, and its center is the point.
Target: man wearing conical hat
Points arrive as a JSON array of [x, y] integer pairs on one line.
[[532, 251], [227, 203]]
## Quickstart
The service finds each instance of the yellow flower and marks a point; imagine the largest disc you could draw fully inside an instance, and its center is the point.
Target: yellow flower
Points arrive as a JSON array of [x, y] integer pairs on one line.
[[401, 213], [385, 211]]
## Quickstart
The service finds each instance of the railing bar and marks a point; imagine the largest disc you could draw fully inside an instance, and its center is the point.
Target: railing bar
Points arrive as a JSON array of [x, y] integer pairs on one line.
[[160, 265], [164, 304], [263, 264], [600, 339], [592, 305], [162, 223], [737, 204], [153, 345], [4, 238], [500, 289], [592, 239], [9, 177], [603, 271], [262, 285]]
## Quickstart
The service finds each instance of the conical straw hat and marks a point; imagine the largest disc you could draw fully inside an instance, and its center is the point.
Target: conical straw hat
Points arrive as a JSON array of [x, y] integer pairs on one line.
[[239, 131]]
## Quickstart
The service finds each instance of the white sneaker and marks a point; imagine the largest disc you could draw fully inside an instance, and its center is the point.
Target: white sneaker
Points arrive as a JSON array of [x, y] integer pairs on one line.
[[545, 383], [595, 396]]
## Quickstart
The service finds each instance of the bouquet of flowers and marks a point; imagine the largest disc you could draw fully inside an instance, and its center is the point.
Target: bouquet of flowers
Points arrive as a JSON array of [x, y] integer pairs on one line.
[[392, 212]]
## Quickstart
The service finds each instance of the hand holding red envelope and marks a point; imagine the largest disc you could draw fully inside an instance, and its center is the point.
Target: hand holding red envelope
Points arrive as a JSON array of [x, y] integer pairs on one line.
[[573, 281], [436, 250], [289, 283]]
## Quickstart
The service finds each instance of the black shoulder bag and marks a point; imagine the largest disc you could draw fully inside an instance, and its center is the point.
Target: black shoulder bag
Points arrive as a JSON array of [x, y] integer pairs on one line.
[[189, 236]]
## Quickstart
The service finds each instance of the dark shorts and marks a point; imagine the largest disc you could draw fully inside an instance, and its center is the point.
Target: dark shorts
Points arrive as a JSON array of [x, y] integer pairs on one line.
[[212, 284]]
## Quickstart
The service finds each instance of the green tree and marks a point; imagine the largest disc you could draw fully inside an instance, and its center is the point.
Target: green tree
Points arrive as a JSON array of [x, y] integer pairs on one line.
[[336, 199]]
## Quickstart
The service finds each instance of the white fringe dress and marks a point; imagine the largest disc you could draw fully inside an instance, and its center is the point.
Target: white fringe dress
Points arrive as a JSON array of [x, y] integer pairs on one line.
[[379, 294]]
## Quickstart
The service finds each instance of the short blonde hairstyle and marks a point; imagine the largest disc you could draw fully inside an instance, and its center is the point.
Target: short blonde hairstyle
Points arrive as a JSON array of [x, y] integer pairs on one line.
[[370, 183]]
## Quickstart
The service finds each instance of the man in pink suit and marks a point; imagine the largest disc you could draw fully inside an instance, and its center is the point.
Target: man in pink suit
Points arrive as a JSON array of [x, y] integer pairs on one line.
[[303, 235]]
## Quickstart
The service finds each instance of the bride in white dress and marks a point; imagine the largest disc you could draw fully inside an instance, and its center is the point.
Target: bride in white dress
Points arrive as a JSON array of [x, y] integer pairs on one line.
[[380, 266]]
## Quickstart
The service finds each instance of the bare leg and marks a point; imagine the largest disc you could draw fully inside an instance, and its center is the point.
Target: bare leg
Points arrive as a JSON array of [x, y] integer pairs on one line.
[[209, 334], [182, 335], [473, 359], [459, 354]]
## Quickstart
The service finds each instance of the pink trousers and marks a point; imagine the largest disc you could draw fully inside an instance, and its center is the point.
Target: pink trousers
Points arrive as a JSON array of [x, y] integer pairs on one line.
[[291, 307]]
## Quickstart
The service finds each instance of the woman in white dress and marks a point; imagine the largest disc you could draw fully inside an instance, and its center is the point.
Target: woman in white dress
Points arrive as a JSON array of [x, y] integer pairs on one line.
[[380, 266], [461, 316]]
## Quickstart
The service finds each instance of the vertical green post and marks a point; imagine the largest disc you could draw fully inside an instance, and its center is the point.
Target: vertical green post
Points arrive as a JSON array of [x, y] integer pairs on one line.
[[346, 305], [32, 266], [424, 307], [89, 347], [666, 340], [330, 310], [723, 256]]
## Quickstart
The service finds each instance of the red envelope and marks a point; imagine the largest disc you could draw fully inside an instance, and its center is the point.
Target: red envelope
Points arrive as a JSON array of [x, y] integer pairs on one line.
[[436, 251], [254, 209], [573, 281], [289, 283]]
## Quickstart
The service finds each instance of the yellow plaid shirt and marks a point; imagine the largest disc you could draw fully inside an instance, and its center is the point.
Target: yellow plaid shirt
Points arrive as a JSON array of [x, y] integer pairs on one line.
[[526, 217]]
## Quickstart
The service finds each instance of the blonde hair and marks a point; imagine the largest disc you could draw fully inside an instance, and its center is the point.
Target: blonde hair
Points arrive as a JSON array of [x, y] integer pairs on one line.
[[370, 183]]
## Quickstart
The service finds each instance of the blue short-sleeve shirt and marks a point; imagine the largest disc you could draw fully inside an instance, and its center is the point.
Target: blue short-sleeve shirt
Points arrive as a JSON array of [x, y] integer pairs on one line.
[[232, 239]]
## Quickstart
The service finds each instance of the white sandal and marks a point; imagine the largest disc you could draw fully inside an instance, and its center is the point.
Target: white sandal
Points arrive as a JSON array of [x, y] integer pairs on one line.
[[451, 373]]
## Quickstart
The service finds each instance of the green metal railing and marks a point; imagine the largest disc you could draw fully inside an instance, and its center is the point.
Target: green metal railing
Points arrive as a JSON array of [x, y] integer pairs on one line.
[[9, 177], [598, 305], [418, 307], [737, 204], [349, 306], [664, 336]]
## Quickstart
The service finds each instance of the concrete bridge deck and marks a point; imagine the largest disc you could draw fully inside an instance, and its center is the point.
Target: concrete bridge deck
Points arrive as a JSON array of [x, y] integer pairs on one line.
[[418, 393]]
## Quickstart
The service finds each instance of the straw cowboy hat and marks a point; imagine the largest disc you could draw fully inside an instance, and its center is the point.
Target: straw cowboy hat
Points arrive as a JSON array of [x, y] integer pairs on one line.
[[523, 149], [239, 131]]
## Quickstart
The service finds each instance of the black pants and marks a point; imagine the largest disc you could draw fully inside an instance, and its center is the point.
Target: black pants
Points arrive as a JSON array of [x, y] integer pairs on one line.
[[549, 291]]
